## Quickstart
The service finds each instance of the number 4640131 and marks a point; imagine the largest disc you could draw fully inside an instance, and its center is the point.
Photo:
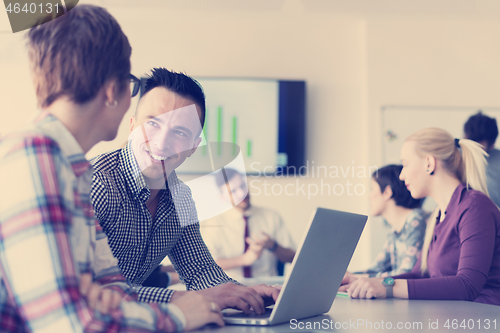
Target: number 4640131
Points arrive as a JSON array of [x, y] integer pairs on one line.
[[32, 8], [471, 324]]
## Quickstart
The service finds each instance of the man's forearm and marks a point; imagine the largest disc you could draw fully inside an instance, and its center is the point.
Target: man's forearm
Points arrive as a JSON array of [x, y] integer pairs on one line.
[[178, 293]]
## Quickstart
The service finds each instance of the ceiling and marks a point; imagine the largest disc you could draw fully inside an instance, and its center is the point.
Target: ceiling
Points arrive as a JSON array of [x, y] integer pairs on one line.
[[474, 9]]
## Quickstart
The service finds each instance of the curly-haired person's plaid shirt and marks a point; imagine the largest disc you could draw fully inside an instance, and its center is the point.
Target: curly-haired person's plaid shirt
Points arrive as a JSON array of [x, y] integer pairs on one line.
[[47, 239]]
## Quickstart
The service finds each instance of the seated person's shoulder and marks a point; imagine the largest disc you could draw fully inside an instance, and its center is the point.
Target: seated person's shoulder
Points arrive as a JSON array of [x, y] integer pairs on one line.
[[478, 203], [419, 216], [215, 221], [494, 156], [183, 188], [28, 139], [268, 216], [106, 162], [473, 197], [265, 211], [107, 181]]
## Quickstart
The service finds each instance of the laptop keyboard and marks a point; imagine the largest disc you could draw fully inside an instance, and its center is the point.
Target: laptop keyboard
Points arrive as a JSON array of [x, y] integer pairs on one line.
[[251, 314]]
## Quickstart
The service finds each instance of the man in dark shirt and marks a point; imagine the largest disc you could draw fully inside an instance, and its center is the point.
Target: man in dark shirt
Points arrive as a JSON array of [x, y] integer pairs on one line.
[[484, 130]]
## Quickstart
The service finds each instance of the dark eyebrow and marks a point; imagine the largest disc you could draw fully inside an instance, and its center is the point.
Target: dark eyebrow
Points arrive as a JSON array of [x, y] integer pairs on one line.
[[155, 119], [183, 129]]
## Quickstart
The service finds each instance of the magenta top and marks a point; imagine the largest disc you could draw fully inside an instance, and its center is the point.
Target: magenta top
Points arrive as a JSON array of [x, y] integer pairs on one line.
[[464, 254]]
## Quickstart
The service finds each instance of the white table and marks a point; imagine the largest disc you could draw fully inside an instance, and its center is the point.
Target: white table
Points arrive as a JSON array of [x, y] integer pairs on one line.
[[385, 315]]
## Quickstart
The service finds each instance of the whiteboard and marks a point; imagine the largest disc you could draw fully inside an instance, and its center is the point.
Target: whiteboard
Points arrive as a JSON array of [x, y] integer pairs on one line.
[[241, 112], [398, 122]]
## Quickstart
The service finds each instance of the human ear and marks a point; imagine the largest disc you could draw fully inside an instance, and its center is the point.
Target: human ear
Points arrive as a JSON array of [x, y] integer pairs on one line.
[[132, 123], [431, 164], [111, 93], [387, 194]]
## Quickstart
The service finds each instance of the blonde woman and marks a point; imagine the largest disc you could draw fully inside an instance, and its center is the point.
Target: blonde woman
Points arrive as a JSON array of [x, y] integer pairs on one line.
[[461, 253]]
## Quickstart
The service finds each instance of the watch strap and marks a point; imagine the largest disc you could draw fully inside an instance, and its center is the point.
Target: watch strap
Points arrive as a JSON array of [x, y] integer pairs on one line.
[[388, 289]]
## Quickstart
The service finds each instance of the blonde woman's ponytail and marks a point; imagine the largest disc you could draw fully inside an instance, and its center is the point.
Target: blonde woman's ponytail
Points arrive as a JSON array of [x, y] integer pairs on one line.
[[474, 160], [464, 158]]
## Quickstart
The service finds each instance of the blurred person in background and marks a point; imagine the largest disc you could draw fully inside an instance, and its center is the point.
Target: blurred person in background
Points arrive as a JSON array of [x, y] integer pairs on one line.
[[390, 199], [246, 241], [484, 130], [461, 253]]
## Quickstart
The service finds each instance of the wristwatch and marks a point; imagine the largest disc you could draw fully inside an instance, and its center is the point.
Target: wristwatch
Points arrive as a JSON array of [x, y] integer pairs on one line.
[[388, 282]]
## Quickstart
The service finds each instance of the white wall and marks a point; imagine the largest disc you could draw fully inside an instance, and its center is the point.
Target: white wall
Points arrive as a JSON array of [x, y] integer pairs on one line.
[[354, 61], [326, 51], [442, 62], [438, 62], [281, 41]]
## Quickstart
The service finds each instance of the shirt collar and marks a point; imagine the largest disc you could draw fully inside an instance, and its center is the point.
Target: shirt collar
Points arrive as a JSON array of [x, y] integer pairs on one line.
[[133, 175], [250, 211], [238, 214], [134, 178], [71, 149]]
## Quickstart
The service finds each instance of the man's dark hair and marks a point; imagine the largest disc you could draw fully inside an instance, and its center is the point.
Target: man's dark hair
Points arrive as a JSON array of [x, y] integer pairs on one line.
[[225, 175], [389, 176], [480, 127], [76, 54], [178, 83]]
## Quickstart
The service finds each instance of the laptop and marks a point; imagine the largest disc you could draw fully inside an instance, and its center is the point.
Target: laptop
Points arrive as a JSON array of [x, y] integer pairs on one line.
[[316, 271]]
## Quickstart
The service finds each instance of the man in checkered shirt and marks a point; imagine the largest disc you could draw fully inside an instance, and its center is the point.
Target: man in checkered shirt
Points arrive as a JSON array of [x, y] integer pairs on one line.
[[147, 213]]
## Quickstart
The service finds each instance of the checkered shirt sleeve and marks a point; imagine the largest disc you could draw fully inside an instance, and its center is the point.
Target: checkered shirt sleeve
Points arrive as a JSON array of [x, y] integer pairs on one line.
[[46, 231], [140, 242]]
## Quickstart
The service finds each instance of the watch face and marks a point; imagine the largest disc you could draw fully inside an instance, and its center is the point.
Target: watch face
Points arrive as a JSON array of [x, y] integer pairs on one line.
[[388, 281]]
